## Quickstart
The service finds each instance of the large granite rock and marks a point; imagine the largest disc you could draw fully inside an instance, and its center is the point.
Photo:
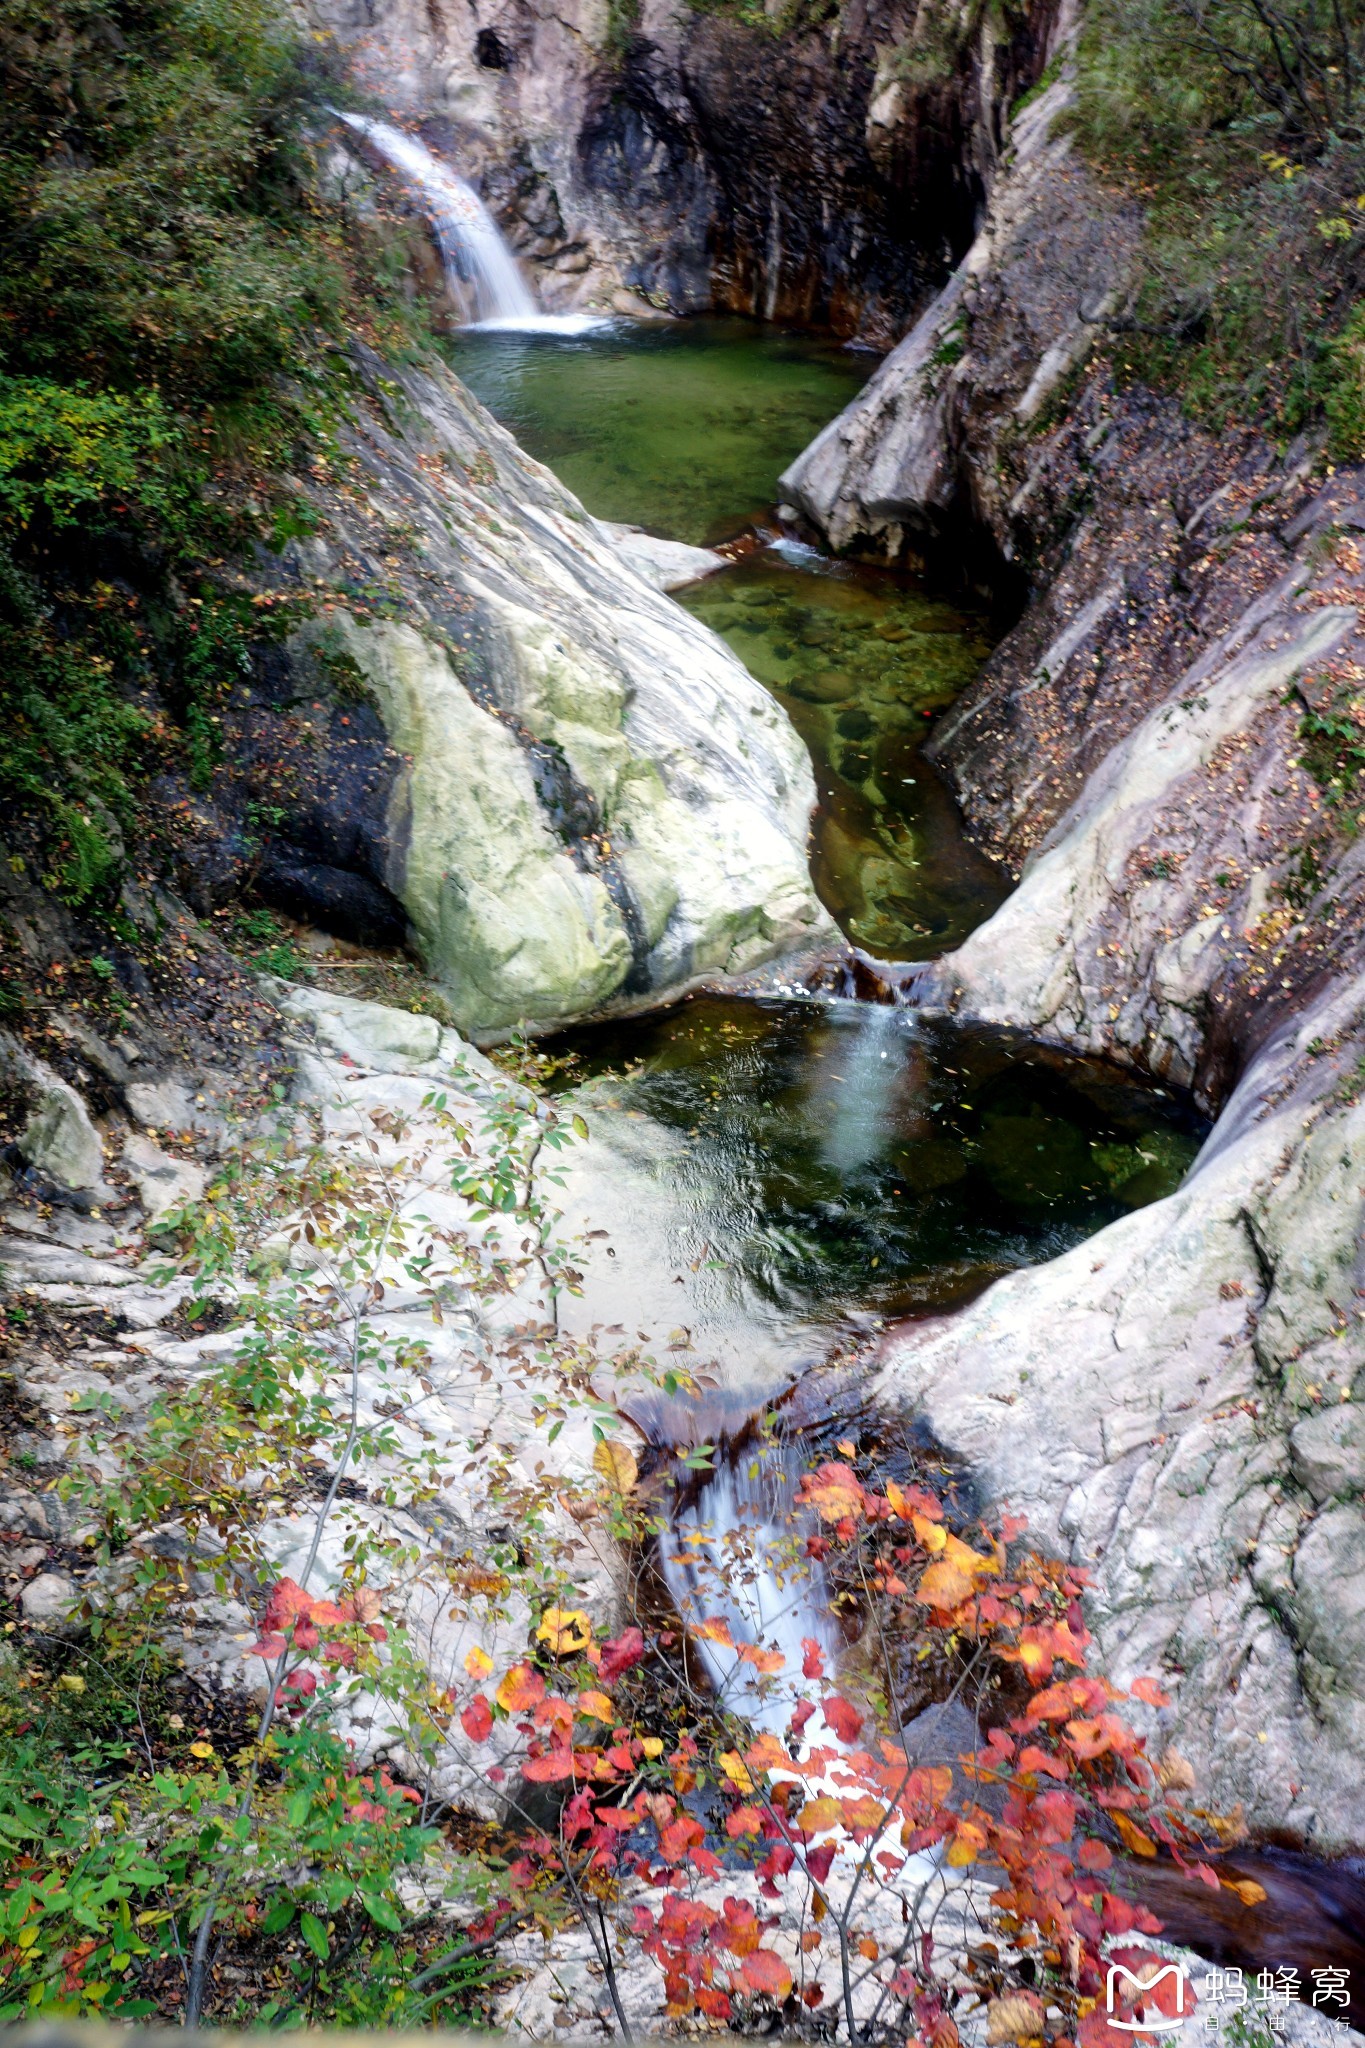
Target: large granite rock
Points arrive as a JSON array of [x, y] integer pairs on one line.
[[491, 733]]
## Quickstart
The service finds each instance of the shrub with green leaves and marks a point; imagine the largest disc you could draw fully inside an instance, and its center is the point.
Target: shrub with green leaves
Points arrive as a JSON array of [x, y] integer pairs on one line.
[[175, 296], [1239, 126]]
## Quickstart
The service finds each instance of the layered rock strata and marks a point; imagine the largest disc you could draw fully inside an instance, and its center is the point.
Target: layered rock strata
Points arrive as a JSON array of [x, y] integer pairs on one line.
[[1161, 751]]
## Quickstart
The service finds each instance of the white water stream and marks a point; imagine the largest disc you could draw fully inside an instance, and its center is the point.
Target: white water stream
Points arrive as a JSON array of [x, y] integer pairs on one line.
[[480, 268]]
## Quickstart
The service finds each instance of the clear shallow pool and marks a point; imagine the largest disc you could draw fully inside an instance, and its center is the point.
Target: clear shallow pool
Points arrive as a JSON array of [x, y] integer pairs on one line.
[[832, 1158], [848, 1155], [680, 427], [861, 660]]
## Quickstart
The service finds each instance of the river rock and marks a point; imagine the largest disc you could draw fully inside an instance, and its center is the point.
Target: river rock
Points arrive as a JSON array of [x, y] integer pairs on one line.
[[667, 564], [47, 1601], [59, 1138], [162, 1181], [589, 802]]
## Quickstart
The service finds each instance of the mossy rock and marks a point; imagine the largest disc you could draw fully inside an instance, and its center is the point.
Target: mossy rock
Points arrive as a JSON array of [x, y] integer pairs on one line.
[[855, 724], [823, 687]]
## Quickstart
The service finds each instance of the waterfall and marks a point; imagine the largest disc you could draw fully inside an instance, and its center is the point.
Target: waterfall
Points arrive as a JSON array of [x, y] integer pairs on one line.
[[735, 1553], [480, 268]]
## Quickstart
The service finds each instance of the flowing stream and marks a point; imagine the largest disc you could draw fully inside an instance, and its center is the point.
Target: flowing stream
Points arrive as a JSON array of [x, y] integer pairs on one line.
[[831, 1162], [826, 1163], [822, 1162]]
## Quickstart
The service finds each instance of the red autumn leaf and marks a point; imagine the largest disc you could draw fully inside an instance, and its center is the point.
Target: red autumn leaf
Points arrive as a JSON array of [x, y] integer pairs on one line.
[[557, 1763], [841, 1718], [813, 1658], [1094, 1856], [765, 1971], [620, 1655], [745, 1820], [715, 2004], [1147, 1689], [477, 1719], [818, 1861]]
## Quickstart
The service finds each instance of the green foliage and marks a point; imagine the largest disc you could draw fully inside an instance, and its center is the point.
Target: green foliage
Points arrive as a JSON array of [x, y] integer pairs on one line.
[[175, 296], [118, 1824], [1238, 127]]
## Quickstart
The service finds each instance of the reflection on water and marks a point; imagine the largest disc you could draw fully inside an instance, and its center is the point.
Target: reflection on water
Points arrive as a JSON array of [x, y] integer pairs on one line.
[[682, 428], [850, 1157], [860, 659]]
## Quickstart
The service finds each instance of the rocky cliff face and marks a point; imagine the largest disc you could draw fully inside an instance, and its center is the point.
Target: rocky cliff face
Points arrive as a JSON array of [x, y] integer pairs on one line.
[[1162, 750], [823, 168], [490, 730]]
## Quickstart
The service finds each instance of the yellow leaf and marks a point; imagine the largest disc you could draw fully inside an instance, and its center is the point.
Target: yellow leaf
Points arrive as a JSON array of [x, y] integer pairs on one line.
[[564, 1630], [652, 1746], [967, 1843], [1247, 1890], [71, 1681], [598, 1706], [818, 1814], [201, 1749], [736, 1770], [1140, 1844], [478, 1663], [616, 1463], [26, 1937]]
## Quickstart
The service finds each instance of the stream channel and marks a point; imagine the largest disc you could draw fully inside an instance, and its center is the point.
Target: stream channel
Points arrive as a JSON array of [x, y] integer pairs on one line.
[[827, 1164], [837, 1159]]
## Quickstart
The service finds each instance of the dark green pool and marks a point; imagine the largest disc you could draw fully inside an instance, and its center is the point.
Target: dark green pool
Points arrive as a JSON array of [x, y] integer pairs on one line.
[[681, 427], [851, 1154], [835, 1156]]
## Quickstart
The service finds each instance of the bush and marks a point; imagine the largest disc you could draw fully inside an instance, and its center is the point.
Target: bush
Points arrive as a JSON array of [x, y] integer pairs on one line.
[[174, 299], [1238, 127]]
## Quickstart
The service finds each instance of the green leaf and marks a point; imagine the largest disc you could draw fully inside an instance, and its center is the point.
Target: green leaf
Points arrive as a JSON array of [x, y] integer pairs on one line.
[[299, 1808], [382, 1911], [279, 1916], [315, 1934], [580, 1126]]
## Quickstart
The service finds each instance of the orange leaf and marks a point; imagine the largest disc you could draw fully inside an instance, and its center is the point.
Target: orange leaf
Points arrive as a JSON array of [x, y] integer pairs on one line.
[[819, 1814], [1140, 1844], [766, 1661], [598, 1706], [1247, 1890], [833, 1491], [521, 1688], [944, 1586], [765, 1971]]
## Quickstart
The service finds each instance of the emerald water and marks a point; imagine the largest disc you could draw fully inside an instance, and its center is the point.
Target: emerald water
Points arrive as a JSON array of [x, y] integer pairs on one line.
[[825, 1158], [844, 1154], [682, 428]]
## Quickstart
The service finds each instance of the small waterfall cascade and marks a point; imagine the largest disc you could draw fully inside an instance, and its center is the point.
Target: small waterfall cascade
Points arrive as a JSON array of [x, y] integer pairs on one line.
[[862, 1108], [480, 268], [735, 1554]]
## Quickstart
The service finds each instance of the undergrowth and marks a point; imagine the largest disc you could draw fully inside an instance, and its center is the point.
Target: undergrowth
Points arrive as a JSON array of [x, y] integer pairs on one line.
[[176, 290], [1239, 127]]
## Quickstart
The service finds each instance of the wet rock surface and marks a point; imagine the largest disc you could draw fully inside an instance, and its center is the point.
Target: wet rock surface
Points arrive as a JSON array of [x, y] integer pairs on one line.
[[825, 173], [1171, 1402]]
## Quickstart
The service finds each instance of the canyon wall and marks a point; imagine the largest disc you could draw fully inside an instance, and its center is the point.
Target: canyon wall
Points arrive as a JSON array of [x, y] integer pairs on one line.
[[816, 166], [1160, 751]]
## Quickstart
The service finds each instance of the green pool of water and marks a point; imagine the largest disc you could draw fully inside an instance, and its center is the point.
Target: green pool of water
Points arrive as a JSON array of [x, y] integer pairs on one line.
[[862, 660], [682, 428], [834, 1157], [846, 1154]]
